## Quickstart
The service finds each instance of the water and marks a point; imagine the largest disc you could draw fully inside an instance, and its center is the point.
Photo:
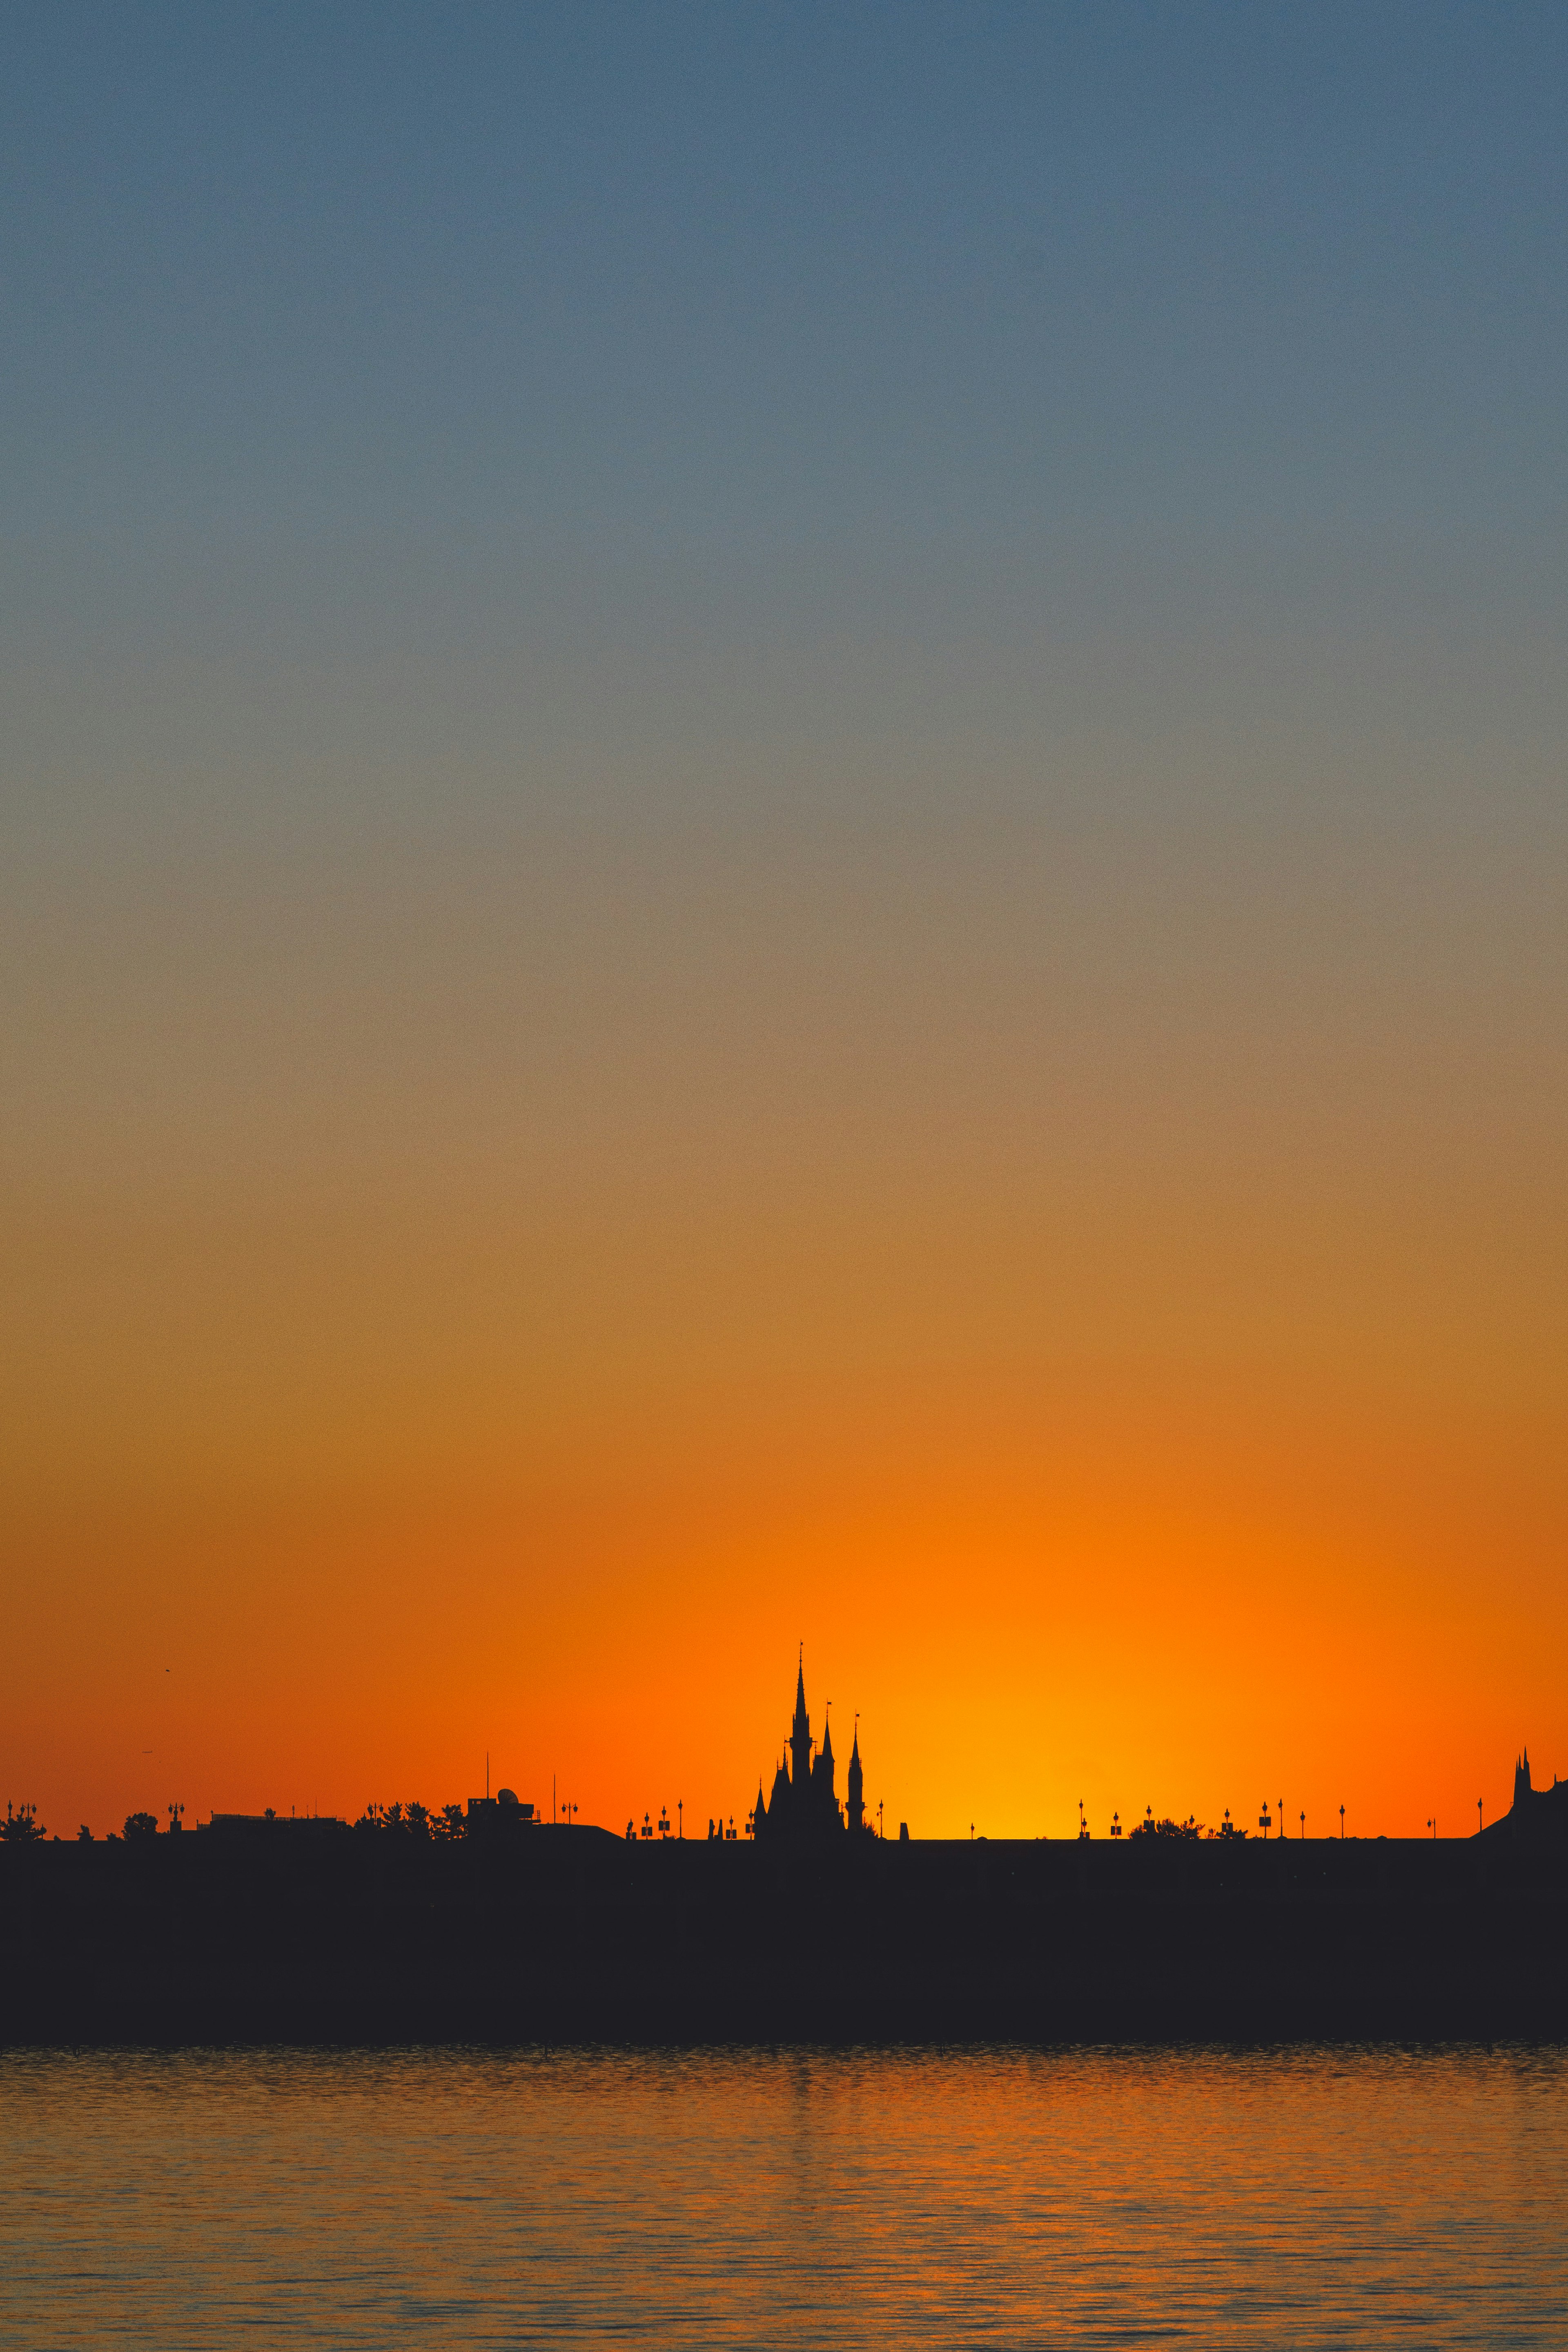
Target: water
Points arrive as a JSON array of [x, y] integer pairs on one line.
[[788, 2199]]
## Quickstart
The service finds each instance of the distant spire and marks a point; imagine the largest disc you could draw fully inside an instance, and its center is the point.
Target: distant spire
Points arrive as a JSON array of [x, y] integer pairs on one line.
[[854, 1808]]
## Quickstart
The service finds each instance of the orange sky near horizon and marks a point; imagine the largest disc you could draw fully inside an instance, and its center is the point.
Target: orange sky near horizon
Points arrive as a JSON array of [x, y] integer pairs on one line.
[[1170, 1418]]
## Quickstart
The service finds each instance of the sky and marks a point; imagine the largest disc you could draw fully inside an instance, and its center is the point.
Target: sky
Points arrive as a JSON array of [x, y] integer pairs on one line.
[[783, 860]]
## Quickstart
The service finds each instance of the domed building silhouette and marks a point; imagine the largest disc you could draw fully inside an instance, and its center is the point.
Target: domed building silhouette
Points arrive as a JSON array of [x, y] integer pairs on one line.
[[804, 1806]]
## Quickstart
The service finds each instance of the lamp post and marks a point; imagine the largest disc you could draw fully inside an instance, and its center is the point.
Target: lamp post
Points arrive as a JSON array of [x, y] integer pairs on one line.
[[1303, 1825], [680, 1817], [1341, 1825], [1480, 1824]]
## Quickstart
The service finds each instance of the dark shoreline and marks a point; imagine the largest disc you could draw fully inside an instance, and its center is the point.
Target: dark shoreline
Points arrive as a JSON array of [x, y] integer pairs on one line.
[[572, 1937]]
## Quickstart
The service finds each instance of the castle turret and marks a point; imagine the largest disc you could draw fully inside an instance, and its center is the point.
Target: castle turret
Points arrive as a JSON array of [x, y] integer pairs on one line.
[[824, 1796], [800, 1734], [857, 1810], [1522, 1791]]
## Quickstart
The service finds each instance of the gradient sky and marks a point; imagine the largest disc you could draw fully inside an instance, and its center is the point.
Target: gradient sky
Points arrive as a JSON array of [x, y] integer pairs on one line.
[[784, 854]]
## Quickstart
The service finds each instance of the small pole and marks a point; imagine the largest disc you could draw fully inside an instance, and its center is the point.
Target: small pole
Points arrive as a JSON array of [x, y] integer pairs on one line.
[[680, 1817], [1341, 1825], [1303, 1825], [1480, 1824]]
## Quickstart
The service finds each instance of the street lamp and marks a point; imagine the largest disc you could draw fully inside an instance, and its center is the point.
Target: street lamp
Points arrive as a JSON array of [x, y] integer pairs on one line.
[[1341, 1825], [1303, 1825]]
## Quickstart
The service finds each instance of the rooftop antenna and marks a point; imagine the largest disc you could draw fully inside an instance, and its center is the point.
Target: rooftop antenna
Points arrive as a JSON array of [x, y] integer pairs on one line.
[[487, 1775]]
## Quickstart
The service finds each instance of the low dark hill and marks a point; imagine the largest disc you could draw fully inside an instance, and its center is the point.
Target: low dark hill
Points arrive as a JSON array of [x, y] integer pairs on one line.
[[565, 1935]]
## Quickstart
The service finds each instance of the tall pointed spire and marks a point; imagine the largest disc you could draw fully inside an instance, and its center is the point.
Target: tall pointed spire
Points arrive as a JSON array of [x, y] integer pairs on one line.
[[800, 1733]]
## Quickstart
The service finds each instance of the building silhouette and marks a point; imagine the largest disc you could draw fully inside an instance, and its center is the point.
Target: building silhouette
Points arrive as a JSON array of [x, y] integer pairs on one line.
[[804, 1806], [1539, 1815]]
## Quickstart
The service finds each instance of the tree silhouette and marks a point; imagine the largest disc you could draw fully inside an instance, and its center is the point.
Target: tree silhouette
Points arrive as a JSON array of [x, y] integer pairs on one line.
[[141, 1825], [21, 1828], [413, 1820]]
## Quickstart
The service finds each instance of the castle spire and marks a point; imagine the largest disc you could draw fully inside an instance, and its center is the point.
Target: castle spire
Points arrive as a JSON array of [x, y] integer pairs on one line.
[[800, 1732]]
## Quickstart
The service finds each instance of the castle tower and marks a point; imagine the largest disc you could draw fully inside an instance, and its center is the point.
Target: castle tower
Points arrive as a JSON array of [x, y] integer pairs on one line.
[[800, 1735], [856, 1806], [1522, 1791], [824, 1796]]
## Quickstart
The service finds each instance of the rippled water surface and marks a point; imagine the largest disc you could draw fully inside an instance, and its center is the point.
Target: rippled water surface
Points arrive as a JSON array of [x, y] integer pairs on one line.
[[792, 2198]]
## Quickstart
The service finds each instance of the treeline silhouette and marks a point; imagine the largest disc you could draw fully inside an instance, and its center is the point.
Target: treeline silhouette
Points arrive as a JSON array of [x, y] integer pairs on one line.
[[1190, 1829], [443, 1824], [447, 1823], [23, 1827]]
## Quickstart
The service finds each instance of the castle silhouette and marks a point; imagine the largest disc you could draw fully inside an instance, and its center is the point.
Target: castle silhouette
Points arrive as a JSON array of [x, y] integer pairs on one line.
[[1536, 1814], [804, 1804]]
